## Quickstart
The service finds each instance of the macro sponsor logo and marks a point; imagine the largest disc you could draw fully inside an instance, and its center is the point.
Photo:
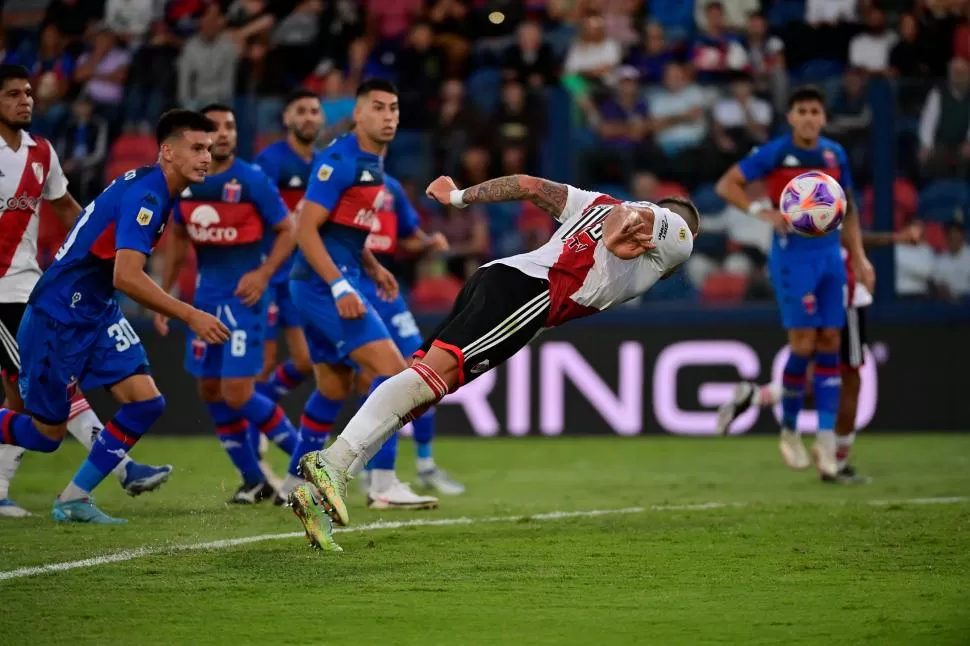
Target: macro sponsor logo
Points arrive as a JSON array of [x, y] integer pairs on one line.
[[201, 226]]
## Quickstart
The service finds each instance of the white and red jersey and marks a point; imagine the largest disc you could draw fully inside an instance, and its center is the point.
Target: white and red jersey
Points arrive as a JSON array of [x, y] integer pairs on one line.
[[28, 175], [584, 276]]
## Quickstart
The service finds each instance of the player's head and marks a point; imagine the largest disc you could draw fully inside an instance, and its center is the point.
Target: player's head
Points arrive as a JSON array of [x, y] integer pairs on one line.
[[184, 140], [806, 113], [683, 207], [302, 115], [16, 97], [225, 138], [376, 113]]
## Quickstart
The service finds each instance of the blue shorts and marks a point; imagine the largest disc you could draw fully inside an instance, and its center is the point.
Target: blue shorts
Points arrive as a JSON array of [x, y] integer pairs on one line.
[[282, 312], [397, 318], [58, 359], [810, 288], [330, 338], [239, 357]]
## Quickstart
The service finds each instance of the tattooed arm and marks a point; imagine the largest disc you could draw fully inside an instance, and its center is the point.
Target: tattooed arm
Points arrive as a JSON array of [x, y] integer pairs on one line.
[[549, 196]]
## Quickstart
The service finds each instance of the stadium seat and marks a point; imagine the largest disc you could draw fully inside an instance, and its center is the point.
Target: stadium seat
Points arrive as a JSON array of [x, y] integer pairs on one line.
[[135, 147], [707, 200], [786, 11], [484, 88], [669, 189], [722, 287], [435, 293], [944, 199], [905, 203], [819, 70]]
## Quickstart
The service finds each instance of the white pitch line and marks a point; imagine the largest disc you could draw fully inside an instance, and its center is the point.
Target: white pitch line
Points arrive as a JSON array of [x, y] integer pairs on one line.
[[130, 555]]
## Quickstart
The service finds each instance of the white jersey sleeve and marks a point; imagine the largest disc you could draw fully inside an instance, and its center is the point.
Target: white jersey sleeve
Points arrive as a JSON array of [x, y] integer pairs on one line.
[[576, 202], [56, 185]]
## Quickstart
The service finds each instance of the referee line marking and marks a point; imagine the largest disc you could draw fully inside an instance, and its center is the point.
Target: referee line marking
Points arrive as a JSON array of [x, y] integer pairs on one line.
[[141, 552]]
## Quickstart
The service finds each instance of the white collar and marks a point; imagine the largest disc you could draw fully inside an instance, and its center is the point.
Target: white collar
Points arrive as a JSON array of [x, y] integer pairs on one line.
[[25, 140]]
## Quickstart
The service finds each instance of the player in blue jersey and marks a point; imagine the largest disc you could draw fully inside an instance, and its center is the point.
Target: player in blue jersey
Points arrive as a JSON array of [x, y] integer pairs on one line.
[[288, 163], [73, 334], [808, 274], [341, 203], [397, 223], [227, 219]]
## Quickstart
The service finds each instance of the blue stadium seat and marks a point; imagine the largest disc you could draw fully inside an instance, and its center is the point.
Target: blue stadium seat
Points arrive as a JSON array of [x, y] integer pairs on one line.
[[484, 88], [943, 199], [618, 191], [409, 156], [819, 70], [707, 200], [786, 11]]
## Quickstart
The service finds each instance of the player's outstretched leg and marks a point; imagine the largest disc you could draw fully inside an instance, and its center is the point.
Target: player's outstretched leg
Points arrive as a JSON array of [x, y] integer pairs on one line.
[[430, 475], [135, 478], [144, 407], [308, 507], [747, 394]]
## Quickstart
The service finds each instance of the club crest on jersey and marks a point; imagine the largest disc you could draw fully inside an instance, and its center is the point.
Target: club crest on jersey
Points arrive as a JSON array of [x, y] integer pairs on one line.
[[38, 169], [324, 172], [809, 304], [144, 216], [273, 314], [830, 160], [198, 349], [232, 192]]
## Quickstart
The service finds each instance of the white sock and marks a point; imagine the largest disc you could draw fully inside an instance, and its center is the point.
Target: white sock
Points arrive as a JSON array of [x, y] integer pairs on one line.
[[85, 426], [426, 464], [9, 461], [381, 479], [290, 483], [843, 447], [385, 411], [73, 492]]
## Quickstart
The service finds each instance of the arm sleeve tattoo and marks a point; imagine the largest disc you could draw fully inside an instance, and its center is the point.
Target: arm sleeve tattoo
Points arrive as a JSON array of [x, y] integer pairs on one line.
[[549, 196]]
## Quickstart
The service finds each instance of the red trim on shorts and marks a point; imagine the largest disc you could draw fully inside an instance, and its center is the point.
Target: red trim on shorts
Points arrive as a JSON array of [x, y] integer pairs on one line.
[[118, 434], [418, 354], [232, 428], [455, 350], [273, 421]]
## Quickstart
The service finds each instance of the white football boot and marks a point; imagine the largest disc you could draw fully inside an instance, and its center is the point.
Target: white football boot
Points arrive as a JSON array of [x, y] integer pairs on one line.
[[438, 480], [398, 495], [824, 452], [793, 450], [743, 399]]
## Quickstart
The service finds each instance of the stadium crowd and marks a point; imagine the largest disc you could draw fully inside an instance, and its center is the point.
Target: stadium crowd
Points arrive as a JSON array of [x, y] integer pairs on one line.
[[659, 97]]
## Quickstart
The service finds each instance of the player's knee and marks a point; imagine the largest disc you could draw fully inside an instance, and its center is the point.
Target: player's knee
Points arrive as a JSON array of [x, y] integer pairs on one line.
[[803, 342], [145, 413], [210, 390], [444, 364], [54, 432], [828, 340], [301, 361], [236, 393]]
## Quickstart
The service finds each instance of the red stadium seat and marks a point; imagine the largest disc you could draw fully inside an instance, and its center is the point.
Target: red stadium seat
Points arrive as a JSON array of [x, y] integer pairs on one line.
[[723, 287], [670, 189], [135, 147], [905, 203], [935, 235], [435, 293]]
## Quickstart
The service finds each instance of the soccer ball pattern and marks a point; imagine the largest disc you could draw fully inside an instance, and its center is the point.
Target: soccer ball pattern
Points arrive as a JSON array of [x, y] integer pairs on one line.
[[814, 204]]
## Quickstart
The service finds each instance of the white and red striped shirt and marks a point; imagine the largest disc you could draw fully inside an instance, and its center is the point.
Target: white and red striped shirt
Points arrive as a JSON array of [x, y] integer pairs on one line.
[[584, 276], [28, 175]]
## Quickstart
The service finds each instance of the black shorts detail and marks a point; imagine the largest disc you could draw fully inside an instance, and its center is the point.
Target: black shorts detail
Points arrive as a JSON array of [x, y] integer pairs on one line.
[[497, 312], [10, 316], [854, 338]]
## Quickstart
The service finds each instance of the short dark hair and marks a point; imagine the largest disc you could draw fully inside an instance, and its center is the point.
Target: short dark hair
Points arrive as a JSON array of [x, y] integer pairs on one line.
[[178, 121], [683, 207], [8, 72], [297, 95], [806, 93], [376, 85], [217, 107]]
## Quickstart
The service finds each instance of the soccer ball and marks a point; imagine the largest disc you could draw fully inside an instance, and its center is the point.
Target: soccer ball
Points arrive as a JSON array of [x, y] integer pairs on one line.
[[814, 204]]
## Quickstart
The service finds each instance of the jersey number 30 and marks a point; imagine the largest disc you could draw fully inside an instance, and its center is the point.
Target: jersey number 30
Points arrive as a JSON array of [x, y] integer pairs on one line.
[[123, 335]]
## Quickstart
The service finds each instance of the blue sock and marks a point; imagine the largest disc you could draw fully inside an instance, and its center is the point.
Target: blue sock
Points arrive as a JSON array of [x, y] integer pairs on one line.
[[424, 433], [828, 387], [19, 430], [115, 440], [284, 380], [265, 389], [315, 424], [232, 430], [263, 413], [793, 390]]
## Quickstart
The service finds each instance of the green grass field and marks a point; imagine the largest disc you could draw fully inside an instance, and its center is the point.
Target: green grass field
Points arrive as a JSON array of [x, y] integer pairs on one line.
[[783, 559]]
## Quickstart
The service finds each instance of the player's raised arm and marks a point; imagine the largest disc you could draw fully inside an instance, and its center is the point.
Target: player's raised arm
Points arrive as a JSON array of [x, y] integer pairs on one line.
[[731, 188], [549, 196]]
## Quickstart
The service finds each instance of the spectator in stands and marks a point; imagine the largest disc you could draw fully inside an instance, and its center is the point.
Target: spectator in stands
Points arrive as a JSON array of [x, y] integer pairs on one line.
[[951, 273], [848, 121], [467, 233], [679, 121], [449, 19], [153, 79], [517, 124], [652, 56], [291, 46], [52, 63], [459, 126], [914, 266], [906, 57], [938, 21], [739, 121], [830, 12], [766, 61], [252, 20], [944, 127], [590, 63], [715, 53], [342, 28], [736, 13], [182, 16], [870, 49], [421, 70], [102, 73], [207, 66], [72, 18], [529, 60], [620, 18], [82, 148], [131, 19], [390, 21]]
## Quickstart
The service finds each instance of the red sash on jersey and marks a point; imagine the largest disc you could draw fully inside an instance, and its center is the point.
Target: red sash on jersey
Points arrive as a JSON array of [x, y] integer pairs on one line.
[[21, 206], [358, 207], [383, 235], [221, 223], [292, 196]]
